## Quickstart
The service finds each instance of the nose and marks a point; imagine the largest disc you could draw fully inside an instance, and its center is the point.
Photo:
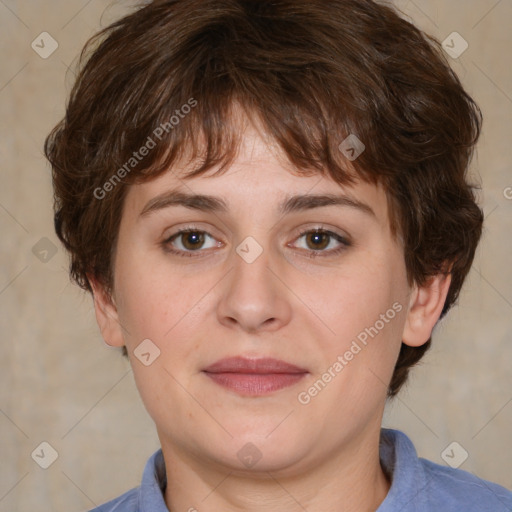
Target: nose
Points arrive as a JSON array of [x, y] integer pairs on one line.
[[254, 297]]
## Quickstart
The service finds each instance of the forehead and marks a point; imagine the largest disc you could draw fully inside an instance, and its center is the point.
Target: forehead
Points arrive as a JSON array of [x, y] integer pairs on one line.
[[259, 178]]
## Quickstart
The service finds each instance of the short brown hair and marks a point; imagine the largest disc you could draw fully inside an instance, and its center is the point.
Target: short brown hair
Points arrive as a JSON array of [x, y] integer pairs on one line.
[[313, 72]]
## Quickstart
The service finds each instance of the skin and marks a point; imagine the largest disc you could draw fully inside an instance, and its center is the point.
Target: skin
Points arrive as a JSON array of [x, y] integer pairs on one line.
[[322, 456]]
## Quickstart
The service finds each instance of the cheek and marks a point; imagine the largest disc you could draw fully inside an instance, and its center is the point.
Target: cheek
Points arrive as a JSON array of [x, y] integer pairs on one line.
[[365, 304], [160, 310], [168, 309], [148, 302], [353, 298]]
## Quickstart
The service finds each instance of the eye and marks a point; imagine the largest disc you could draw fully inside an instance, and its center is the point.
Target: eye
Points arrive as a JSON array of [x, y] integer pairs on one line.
[[323, 242], [187, 241], [318, 242]]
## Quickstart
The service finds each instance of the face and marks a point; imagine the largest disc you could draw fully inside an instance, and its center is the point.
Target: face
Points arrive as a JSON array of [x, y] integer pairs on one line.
[[267, 270]]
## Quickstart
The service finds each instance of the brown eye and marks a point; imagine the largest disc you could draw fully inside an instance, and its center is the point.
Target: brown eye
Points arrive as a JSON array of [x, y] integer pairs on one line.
[[317, 240], [192, 240], [320, 242], [188, 241]]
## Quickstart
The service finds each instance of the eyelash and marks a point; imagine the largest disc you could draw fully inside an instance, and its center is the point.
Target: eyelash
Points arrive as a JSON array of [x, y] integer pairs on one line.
[[166, 244]]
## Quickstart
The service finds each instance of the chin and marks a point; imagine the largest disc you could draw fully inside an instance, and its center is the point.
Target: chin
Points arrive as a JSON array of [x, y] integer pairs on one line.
[[273, 451]]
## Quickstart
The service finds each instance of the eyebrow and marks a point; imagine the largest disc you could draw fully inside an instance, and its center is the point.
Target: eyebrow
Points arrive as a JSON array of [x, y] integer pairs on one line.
[[296, 203]]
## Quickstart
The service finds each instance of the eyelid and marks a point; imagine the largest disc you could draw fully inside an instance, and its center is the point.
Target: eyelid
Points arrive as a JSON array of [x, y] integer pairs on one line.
[[188, 228], [166, 243], [322, 228], [340, 238]]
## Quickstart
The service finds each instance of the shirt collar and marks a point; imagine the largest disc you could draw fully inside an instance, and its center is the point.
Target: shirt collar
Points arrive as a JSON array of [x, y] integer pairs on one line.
[[408, 478], [154, 482]]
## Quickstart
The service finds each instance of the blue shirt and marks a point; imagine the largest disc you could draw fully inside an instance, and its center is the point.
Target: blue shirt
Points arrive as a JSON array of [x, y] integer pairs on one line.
[[417, 485]]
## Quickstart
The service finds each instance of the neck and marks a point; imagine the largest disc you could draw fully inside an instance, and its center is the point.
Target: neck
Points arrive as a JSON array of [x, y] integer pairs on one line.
[[349, 480]]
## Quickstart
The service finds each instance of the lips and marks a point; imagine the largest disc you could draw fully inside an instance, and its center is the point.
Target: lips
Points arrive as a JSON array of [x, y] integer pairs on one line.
[[261, 366], [254, 377]]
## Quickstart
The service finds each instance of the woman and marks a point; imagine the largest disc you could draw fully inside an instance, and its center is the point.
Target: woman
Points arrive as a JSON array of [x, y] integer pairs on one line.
[[269, 204]]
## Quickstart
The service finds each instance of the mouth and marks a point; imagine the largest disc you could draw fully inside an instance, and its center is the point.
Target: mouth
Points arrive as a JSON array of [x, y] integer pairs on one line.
[[254, 377]]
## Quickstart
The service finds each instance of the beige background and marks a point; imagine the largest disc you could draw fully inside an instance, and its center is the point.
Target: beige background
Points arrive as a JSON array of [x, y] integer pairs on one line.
[[62, 385]]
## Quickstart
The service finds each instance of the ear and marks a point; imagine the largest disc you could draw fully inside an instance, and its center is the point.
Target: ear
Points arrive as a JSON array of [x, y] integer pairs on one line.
[[425, 308], [106, 314]]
